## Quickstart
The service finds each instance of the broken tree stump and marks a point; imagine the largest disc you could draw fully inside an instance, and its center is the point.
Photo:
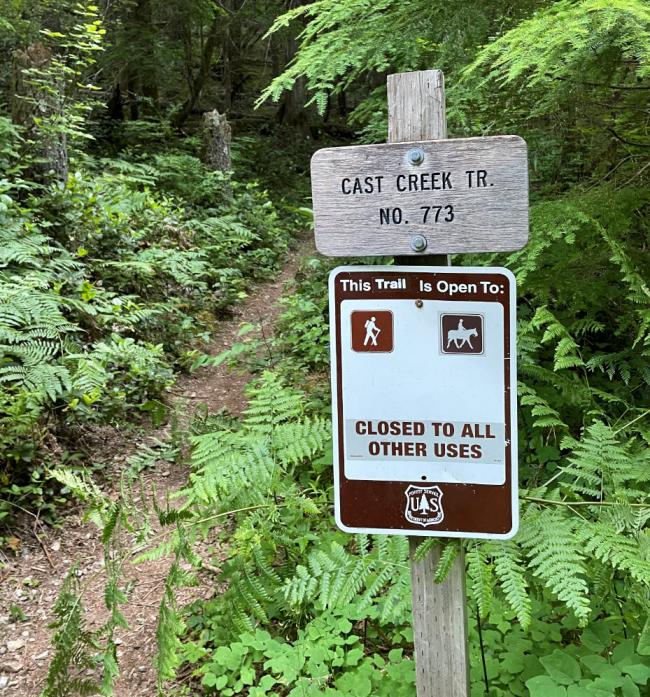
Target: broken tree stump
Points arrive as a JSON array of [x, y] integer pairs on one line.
[[216, 141]]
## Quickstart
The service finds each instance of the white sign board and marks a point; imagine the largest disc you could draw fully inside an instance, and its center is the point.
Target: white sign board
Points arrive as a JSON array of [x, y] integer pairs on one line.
[[459, 195], [424, 384]]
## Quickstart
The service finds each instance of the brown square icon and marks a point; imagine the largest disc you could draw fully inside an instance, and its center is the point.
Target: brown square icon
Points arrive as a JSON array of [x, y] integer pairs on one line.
[[461, 334], [372, 331]]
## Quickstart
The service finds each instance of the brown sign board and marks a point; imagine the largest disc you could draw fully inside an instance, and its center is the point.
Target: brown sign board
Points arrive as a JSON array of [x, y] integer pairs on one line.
[[460, 195], [424, 392]]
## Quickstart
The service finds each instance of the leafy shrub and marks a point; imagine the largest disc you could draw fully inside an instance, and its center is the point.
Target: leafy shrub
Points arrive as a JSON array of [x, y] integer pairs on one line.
[[105, 284], [326, 657], [116, 375], [186, 178], [303, 330]]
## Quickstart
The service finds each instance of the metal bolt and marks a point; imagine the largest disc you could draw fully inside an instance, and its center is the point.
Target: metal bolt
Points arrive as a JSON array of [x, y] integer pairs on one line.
[[419, 304], [418, 243], [415, 156]]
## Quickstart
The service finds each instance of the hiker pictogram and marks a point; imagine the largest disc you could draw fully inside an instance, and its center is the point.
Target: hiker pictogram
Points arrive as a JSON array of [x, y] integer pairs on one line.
[[461, 334], [372, 331]]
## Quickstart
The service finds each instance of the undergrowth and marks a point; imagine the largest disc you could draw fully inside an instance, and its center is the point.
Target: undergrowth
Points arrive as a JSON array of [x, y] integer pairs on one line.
[[107, 283]]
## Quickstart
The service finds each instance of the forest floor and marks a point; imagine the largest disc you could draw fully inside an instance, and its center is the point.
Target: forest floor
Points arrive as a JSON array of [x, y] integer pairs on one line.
[[31, 581]]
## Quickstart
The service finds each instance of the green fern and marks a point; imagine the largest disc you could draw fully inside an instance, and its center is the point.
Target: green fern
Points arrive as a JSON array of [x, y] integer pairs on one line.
[[75, 647], [376, 574], [447, 557], [480, 576], [510, 571], [557, 558], [242, 468], [32, 330], [600, 465]]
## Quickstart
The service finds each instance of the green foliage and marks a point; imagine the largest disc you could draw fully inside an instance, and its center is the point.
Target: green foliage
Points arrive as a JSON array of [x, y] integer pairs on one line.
[[343, 41], [74, 645], [115, 375], [106, 284], [109, 282], [326, 657], [594, 661], [275, 580], [303, 327], [375, 573]]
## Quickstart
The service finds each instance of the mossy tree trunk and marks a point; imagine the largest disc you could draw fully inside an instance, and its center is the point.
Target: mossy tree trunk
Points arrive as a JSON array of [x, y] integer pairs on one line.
[[38, 107]]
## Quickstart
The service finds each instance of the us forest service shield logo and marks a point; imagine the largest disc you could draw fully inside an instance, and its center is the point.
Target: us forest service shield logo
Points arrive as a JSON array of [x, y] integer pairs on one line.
[[424, 505]]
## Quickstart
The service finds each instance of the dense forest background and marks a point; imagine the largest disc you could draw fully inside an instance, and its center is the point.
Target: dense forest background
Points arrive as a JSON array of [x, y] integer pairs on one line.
[[123, 244]]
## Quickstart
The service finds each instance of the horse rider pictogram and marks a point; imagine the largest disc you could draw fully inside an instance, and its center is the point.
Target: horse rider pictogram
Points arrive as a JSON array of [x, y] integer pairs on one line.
[[461, 334]]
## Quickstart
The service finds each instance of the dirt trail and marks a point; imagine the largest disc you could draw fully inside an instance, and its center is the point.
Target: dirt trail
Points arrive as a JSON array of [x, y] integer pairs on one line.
[[31, 581]]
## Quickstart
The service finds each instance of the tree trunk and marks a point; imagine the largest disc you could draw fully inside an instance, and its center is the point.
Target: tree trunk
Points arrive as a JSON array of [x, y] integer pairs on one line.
[[227, 56], [115, 106], [197, 84], [148, 78], [39, 111], [291, 111], [216, 142]]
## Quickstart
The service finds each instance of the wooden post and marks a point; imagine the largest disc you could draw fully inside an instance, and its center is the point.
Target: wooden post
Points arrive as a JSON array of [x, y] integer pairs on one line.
[[416, 111]]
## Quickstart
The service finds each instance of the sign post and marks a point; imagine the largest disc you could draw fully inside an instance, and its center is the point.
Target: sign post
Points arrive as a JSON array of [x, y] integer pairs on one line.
[[417, 111], [423, 375], [423, 354]]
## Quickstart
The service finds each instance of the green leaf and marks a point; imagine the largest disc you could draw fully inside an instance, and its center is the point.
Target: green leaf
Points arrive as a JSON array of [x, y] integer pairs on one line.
[[353, 657], [597, 692], [355, 684], [344, 625], [629, 689], [609, 682], [562, 667], [595, 664], [643, 647], [623, 651], [247, 675], [543, 686], [579, 691], [596, 637], [638, 672]]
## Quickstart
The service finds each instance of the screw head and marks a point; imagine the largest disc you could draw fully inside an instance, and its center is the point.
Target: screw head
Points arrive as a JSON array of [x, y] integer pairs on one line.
[[418, 243], [415, 156]]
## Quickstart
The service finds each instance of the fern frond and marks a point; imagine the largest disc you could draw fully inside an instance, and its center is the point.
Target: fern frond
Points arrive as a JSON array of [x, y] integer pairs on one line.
[[510, 572], [479, 570], [556, 556], [618, 551], [75, 646], [446, 560]]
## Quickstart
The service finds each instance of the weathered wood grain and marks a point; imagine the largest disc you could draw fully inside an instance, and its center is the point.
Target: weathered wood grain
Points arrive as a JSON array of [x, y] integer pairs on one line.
[[423, 90], [439, 627], [492, 216], [416, 110]]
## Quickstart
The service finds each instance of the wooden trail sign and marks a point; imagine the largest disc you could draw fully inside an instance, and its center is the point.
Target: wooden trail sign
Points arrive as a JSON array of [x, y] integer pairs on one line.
[[419, 198], [463, 195], [424, 417]]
